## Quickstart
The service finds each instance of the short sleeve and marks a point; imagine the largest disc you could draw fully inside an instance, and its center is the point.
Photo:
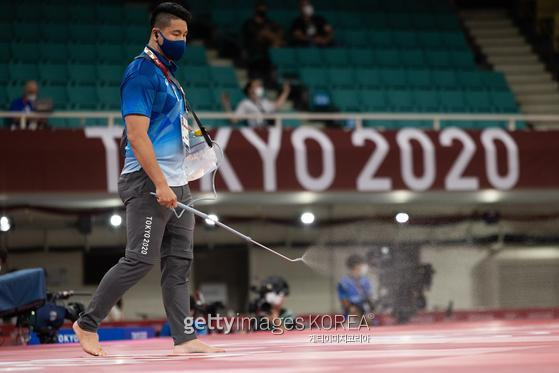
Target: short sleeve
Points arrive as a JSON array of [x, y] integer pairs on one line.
[[137, 95]]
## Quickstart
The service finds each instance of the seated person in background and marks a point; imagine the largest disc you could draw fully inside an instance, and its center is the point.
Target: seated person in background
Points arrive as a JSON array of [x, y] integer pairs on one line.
[[256, 102], [259, 34], [310, 29], [268, 306], [27, 103], [355, 290]]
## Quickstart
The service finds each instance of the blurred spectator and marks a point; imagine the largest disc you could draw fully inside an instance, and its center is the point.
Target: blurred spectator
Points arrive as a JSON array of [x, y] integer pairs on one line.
[[310, 29], [256, 102], [259, 34], [27, 103], [355, 290]]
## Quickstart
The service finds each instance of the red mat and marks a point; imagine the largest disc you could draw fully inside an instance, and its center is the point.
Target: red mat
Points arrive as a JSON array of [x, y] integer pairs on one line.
[[494, 346]]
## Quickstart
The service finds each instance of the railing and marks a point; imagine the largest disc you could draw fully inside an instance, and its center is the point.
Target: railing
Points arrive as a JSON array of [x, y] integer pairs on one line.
[[436, 118]]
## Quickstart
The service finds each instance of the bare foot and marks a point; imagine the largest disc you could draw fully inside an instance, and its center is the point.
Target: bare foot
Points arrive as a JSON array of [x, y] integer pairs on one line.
[[195, 346], [89, 341]]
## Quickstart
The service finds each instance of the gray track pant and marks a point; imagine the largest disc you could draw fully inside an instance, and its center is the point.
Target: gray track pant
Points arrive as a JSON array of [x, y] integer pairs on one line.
[[153, 232]]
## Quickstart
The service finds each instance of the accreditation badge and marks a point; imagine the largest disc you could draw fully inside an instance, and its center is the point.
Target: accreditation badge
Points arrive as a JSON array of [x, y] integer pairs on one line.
[[185, 132]]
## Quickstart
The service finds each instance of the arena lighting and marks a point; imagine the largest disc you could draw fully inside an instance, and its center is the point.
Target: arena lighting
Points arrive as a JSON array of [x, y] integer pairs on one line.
[[307, 218], [402, 217], [5, 224], [116, 220], [212, 219]]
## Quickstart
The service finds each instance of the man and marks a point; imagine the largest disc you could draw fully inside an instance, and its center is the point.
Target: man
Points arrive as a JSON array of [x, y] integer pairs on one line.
[[153, 109], [355, 290], [26, 103], [310, 29], [260, 33]]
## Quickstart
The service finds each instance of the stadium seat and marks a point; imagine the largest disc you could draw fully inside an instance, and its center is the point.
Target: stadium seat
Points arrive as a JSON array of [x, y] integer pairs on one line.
[[194, 55], [25, 52], [426, 101], [347, 100], [58, 94], [53, 52], [405, 39], [374, 100], [340, 77], [21, 72], [195, 76], [5, 75], [109, 13], [470, 79], [53, 74], [82, 74], [314, 77], [368, 78], [309, 57], [400, 100], [462, 59], [336, 57], [82, 97], [494, 81], [445, 79], [110, 74], [438, 59], [26, 31], [419, 78], [413, 58], [55, 32], [388, 57], [430, 40], [361, 57], [82, 53], [202, 99], [478, 101], [83, 33], [136, 35], [394, 78], [504, 102], [381, 39], [224, 77], [109, 97], [452, 101], [110, 53], [111, 34]]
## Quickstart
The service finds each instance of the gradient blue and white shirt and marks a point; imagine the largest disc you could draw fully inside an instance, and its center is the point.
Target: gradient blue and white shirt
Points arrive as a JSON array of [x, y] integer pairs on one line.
[[145, 91]]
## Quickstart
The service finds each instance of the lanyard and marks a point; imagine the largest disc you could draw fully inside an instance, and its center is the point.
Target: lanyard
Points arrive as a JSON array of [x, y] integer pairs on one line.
[[186, 104], [171, 79]]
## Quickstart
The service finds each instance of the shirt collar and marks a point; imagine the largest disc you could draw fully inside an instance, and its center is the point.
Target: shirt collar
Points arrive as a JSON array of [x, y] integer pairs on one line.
[[167, 62]]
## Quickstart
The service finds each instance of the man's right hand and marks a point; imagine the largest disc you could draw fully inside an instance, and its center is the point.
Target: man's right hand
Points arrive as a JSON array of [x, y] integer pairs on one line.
[[166, 197]]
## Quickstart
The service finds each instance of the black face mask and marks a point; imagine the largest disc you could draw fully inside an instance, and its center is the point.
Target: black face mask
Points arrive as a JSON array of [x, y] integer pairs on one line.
[[261, 13]]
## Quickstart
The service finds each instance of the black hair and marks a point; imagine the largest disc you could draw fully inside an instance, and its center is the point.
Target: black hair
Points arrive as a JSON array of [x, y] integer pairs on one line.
[[166, 9], [247, 86], [354, 260]]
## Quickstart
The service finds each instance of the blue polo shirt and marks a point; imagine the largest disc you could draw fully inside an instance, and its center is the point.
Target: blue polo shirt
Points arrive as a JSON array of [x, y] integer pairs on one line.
[[145, 91], [356, 291]]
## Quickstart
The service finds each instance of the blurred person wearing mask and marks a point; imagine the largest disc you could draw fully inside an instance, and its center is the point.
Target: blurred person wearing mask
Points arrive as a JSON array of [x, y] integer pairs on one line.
[[26, 103], [269, 306], [355, 289], [256, 102], [259, 34], [310, 29]]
